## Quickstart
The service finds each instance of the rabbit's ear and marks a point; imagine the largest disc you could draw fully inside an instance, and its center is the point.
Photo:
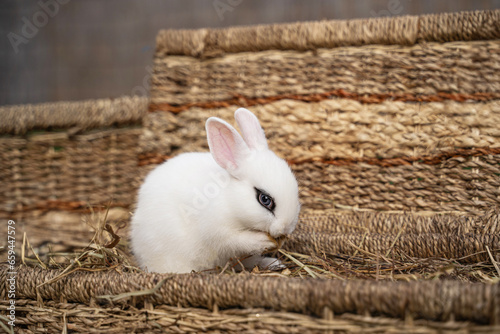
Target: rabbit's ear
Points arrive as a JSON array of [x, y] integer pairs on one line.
[[253, 134], [226, 145]]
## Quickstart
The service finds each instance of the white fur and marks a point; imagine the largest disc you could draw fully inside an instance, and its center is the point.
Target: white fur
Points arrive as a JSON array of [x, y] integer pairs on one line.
[[199, 210]]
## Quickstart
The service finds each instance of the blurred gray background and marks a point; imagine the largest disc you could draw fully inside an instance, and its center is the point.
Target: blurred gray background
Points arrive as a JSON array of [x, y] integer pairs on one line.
[[54, 50]]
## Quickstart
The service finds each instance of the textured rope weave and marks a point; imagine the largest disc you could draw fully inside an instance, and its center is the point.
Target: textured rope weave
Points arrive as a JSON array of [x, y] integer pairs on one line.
[[405, 30], [440, 300], [82, 115]]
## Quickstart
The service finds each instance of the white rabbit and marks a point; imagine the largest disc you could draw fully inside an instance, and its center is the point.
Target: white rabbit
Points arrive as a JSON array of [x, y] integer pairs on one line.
[[199, 210]]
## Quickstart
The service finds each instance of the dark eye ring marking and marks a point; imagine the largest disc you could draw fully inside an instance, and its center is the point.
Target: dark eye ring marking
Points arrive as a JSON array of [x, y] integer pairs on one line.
[[265, 200]]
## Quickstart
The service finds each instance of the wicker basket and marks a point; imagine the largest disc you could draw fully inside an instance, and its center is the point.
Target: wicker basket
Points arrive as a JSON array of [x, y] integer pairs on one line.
[[391, 126]]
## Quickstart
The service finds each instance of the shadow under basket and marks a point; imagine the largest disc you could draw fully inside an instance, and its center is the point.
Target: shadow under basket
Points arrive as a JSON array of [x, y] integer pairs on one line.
[[391, 126]]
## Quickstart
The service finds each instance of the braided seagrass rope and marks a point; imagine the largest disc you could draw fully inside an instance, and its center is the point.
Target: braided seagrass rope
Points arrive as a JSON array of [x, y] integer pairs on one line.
[[83, 318], [366, 72], [394, 223], [469, 248], [461, 184], [93, 167], [338, 128], [84, 115], [404, 30], [439, 300], [450, 236]]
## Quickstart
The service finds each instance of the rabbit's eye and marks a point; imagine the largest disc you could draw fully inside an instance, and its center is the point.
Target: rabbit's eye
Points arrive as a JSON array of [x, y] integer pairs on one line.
[[265, 200]]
